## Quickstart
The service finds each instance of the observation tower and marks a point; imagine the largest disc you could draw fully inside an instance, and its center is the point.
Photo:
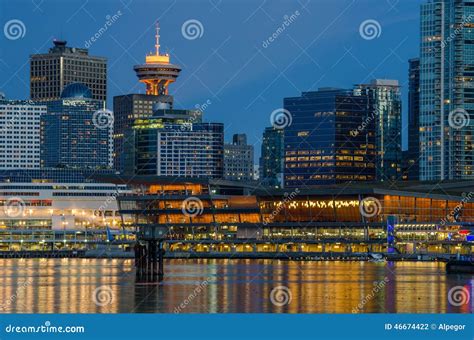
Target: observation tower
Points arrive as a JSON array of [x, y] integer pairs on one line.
[[157, 72]]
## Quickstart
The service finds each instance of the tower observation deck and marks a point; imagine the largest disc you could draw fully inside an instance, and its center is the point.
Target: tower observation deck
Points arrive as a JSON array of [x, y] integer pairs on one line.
[[157, 72]]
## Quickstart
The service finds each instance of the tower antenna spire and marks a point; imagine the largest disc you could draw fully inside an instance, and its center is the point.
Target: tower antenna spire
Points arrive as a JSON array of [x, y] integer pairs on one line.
[[157, 45]]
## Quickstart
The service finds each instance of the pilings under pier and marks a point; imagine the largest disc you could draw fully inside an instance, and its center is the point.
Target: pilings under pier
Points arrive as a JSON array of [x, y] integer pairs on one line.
[[149, 261]]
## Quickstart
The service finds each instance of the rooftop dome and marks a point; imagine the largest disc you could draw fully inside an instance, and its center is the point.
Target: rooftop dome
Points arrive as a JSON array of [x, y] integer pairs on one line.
[[76, 90]]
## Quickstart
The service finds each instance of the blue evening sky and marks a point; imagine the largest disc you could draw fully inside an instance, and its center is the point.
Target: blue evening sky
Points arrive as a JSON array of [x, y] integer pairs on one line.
[[227, 64]]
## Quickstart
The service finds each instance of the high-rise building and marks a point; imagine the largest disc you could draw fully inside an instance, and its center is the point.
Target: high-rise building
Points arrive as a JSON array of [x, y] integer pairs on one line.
[[413, 154], [175, 143], [446, 90], [385, 106], [127, 108], [76, 132], [20, 134], [330, 140], [271, 158], [157, 74], [51, 72], [238, 159]]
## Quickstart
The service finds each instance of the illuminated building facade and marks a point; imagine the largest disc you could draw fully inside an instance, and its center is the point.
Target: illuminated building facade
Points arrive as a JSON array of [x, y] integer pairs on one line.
[[51, 72], [20, 134], [70, 135], [238, 159], [58, 216], [446, 96], [157, 73], [175, 143], [127, 108], [386, 110], [271, 159], [216, 216], [320, 144]]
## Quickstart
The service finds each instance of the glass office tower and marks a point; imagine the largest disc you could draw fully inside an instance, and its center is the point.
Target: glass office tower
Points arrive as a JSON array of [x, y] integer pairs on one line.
[[385, 104], [447, 90], [321, 145], [271, 159], [70, 137], [175, 143]]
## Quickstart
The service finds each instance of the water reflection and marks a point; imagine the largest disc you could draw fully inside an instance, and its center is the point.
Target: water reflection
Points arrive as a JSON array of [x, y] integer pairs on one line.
[[228, 286]]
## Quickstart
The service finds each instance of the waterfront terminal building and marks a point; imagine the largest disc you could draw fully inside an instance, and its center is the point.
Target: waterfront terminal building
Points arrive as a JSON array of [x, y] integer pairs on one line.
[[221, 218]]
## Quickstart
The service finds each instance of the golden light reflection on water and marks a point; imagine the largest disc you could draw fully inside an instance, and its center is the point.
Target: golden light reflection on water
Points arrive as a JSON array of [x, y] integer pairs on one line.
[[227, 286]]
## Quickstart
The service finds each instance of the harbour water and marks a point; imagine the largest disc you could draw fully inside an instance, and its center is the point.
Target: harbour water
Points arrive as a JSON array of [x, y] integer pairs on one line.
[[230, 286]]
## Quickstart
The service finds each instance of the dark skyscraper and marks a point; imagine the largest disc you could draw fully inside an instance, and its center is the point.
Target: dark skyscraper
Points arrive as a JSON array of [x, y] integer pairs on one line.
[[63, 65], [330, 140], [385, 105], [413, 171], [271, 159]]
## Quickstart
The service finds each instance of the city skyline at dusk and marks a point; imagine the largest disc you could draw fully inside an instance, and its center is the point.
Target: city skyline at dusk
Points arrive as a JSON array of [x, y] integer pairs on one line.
[[236, 68]]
